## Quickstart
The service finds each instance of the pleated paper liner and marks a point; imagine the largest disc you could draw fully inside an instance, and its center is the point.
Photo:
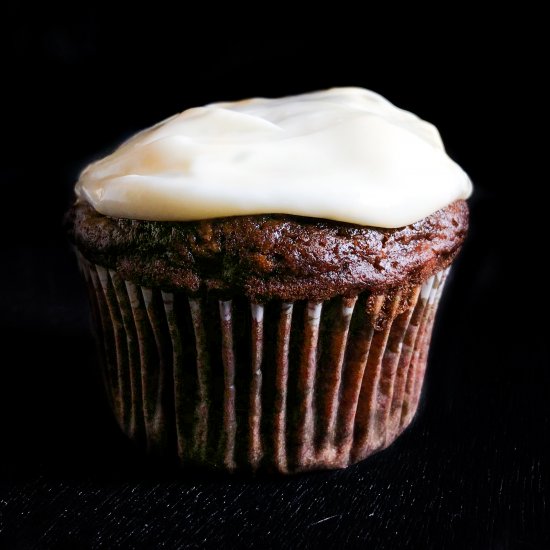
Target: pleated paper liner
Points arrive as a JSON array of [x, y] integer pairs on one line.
[[279, 386]]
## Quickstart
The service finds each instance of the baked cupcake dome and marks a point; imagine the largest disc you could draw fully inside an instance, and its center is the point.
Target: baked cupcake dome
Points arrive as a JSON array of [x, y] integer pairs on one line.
[[264, 340]]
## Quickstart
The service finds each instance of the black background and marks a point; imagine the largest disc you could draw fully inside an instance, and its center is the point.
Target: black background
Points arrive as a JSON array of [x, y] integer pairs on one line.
[[471, 472]]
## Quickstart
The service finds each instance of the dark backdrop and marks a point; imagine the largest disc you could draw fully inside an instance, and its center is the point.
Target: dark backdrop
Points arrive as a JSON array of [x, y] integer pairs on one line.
[[472, 470]]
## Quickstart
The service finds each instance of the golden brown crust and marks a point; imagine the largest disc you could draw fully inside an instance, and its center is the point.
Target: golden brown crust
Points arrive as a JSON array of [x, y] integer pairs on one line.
[[273, 255]]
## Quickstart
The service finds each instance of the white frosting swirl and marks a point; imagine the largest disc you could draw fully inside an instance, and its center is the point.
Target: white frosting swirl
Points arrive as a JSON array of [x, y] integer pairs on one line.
[[344, 154]]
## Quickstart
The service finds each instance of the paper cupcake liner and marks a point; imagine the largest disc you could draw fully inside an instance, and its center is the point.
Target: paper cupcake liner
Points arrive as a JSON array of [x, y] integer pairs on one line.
[[280, 386]]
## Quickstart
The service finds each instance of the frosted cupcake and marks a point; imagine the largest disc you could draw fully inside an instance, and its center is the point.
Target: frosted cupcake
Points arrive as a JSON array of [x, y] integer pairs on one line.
[[264, 276]]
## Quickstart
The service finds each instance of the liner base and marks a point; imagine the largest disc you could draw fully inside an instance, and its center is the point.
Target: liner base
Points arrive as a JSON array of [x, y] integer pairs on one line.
[[285, 387]]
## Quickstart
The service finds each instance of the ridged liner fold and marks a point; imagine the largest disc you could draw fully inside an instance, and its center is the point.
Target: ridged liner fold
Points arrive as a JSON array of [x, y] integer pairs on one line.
[[289, 387]]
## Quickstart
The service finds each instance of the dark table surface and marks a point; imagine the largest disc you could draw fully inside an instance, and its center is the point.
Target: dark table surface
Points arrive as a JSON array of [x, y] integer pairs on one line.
[[472, 470]]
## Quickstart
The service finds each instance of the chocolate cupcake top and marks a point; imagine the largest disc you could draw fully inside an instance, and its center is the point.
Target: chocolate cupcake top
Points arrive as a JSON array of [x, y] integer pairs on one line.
[[271, 256], [304, 197], [345, 154]]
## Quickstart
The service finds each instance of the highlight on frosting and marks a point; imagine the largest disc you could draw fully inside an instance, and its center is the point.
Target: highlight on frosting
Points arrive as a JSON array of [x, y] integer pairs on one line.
[[344, 154]]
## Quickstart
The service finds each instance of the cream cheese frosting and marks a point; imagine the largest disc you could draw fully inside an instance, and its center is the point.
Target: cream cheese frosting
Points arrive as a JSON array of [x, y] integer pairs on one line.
[[344, 154]]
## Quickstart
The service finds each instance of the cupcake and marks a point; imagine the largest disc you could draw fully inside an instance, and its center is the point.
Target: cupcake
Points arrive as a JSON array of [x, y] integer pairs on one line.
[[264, 275]]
